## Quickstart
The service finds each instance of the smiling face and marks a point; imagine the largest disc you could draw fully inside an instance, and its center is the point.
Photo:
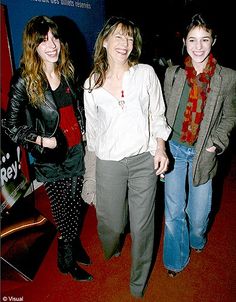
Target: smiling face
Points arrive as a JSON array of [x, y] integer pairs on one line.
[[198, 45], [49, 49], [119, 45]]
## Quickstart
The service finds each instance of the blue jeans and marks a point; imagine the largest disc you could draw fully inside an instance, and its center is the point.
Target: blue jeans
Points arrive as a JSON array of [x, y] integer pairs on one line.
[[187, 209]]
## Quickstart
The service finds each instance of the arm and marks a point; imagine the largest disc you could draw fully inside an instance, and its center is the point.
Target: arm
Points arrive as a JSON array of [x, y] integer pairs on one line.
[[16, 125], [91, 119], [89, 186], [161, 160], [159, 128], [227, 119]]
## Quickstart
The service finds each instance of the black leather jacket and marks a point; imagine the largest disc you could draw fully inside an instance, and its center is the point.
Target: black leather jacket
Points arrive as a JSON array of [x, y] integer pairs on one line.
[[25, 122]]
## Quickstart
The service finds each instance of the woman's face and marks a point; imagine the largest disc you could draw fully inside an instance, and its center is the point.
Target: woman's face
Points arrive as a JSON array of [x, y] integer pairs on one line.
[[198, 44], [118, 45], [49, 49]]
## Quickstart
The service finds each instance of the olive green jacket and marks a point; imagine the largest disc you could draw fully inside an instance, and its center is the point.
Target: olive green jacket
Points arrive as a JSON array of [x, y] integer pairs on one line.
[[219, 116]]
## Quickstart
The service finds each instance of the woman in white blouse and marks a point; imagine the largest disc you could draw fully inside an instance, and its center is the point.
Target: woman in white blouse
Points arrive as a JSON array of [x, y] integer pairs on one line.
[[127, 130]]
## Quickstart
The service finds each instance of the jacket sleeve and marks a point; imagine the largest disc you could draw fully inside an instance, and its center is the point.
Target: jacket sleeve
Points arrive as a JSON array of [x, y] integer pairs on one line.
[[227, 120], [15, 124], [170, 76]]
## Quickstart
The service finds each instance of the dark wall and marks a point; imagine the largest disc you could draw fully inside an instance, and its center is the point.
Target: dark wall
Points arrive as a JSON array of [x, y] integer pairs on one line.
[[160, 22]]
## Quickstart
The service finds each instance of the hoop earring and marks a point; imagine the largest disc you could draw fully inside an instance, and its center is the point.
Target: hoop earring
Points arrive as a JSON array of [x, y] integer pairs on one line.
[[213, 43], [183, 49]]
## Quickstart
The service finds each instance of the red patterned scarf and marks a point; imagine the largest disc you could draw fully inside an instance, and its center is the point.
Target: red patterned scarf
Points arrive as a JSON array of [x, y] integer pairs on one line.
[[199, 88]]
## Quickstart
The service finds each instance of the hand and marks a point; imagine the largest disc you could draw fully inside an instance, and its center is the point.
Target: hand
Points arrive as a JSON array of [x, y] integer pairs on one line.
[[161, 161], [211, 149], [49, 142]]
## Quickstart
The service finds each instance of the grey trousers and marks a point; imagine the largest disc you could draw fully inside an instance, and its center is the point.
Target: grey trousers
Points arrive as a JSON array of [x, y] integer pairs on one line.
[[136, 177]]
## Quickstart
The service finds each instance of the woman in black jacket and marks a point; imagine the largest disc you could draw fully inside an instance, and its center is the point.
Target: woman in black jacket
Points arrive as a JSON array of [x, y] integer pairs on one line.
[[42, 117]]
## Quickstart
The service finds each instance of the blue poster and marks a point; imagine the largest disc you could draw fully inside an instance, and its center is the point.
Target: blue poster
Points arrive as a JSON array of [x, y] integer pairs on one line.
[[80, 19]]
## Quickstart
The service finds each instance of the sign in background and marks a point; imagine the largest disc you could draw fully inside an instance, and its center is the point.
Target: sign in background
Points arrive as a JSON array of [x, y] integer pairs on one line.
[[14, 168], [86, 18], [79, 21]]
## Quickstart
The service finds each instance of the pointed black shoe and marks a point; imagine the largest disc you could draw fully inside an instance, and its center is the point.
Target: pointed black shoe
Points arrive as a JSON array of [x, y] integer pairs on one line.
[[80, 254], [67, 264], [79, 274]]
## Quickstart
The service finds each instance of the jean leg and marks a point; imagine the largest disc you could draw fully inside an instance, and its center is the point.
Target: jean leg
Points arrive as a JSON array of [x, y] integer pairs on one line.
[[176, 236], [198, 209]]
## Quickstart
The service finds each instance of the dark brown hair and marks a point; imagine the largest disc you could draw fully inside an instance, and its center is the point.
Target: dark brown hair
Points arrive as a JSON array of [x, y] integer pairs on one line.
[[100, 62]]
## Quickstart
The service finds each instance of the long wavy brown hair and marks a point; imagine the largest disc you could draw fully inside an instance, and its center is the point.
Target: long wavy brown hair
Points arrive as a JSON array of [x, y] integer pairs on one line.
[[100, 62], [31, 63]]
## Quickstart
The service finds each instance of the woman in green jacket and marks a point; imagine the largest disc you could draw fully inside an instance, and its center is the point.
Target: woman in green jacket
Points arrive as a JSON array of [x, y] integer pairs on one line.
[[201, 109]]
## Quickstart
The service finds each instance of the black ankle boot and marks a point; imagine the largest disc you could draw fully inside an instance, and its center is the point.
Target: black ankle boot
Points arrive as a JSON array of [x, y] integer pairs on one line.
[[80, 254], [67, 263]]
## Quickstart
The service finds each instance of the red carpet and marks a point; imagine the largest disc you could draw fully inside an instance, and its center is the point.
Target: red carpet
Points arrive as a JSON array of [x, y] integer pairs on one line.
[[209, 277]]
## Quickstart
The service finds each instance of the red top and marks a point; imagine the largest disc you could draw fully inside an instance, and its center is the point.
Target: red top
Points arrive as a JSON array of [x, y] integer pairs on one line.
[[70, 126]]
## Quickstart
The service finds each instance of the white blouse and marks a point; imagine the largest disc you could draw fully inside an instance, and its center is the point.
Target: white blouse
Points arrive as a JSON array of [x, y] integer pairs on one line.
[[113, 132]]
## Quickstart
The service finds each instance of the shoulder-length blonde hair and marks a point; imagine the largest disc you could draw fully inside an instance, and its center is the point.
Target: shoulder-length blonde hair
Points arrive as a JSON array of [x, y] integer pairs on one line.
[[100, 62], [31, 63]]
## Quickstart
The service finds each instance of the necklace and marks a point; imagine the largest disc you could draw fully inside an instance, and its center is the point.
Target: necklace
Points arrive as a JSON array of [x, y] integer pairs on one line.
[[122, 101]]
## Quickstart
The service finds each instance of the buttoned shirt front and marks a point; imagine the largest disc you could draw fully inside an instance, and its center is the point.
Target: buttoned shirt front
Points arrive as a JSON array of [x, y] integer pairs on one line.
[[114, 132]]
